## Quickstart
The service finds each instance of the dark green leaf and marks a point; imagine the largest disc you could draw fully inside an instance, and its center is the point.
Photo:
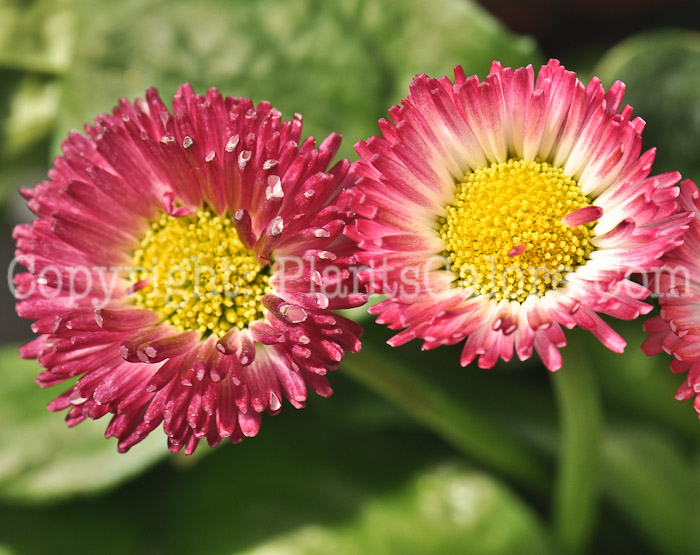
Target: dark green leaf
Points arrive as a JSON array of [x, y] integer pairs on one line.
[[444, 510], [43, 460], [380, 492], [451, 416], [650, 481]]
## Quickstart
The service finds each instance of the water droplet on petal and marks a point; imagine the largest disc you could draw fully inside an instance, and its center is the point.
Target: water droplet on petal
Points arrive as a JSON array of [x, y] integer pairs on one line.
[[274, 188], [276, 226], [187, 142], [292, 313], [232, 143], [275, 403], [243, 159], [322, 300]]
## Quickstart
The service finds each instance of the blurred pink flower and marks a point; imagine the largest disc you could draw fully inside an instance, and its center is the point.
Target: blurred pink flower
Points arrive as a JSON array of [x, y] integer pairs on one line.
[[677, 329]]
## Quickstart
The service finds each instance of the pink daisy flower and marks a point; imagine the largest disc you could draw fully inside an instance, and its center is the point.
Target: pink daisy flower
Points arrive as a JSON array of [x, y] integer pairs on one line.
[[503, 211], [183, 267], [677, 279]]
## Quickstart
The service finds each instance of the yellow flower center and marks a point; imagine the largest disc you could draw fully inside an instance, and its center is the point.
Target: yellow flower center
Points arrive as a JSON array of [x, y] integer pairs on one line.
[[503, 233], [199, 275]]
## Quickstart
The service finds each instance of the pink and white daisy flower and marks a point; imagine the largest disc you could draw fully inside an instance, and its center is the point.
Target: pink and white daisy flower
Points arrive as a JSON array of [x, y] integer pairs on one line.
[[184, 265], [501, 211], [676, 330]]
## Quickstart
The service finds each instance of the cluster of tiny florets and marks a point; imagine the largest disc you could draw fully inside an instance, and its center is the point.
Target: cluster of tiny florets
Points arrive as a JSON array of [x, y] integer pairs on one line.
[[503, 233], [195, 273]]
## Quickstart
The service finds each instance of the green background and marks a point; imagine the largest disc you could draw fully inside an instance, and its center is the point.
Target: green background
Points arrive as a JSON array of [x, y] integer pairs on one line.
[[412, 454]]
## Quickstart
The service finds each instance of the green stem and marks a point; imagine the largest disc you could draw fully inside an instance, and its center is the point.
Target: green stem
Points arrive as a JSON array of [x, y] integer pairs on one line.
[[447, 415], [577, 486]]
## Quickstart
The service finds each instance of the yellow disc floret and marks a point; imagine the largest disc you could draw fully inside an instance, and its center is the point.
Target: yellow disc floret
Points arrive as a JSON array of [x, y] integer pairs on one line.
[[198, 274], [504, 235]]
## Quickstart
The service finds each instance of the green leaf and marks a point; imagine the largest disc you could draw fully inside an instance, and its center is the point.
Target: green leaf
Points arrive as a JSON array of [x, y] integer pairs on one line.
[[649, 480], [36, 35], [27, 120], [341, 64], [577, 486], [662, 72], [41, 458], [443, 510], [364, 491], [452, 417], [29, 112]]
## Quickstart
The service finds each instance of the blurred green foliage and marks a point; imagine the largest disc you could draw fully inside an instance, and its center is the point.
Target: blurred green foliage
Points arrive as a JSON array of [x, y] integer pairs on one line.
[[42, 459], [362, 472], [340, 64], [662, 72]]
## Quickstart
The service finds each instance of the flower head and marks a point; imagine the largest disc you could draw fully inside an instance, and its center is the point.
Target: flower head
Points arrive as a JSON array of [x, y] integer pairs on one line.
[[183, 267], [676, 330], [500, 211]]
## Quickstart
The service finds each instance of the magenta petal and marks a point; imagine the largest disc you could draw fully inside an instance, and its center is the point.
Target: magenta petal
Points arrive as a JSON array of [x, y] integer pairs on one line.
[[582, 216], [167, 347], [145, 352], [418, 174], [125, 319]]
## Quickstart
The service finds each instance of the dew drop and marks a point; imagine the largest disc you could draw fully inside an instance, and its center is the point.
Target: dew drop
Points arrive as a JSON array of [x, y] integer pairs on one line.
[[274, 188], [322, 300], [275, 403], [276, 226], [326, 255], [187, 142], [232, 143], [243, 159], [293, 314]]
